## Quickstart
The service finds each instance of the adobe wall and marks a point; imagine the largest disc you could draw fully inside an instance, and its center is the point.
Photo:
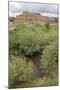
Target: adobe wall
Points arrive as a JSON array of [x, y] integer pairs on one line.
[[27, 16]]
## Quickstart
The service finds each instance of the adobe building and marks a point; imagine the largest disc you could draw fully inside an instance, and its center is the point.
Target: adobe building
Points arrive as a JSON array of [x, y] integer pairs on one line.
[[27, 16]]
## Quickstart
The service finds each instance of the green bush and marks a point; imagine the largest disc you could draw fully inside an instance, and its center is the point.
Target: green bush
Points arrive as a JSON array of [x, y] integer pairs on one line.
[[50, 58], [20, 71], [25, 41], [47, 25]]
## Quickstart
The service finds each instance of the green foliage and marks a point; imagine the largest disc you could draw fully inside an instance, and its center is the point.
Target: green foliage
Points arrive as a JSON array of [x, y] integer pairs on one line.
[[20, 71], [50, 58], [38, 83], [29, 40], [34, 39], [47, 25]]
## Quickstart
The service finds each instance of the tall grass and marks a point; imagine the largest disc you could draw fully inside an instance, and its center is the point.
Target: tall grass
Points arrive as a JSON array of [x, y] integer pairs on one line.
[[31, 40], [20, 71]]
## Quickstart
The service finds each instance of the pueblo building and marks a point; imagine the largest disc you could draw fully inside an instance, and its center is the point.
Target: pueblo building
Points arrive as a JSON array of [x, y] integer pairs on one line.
[[27, 16], [30, 17]]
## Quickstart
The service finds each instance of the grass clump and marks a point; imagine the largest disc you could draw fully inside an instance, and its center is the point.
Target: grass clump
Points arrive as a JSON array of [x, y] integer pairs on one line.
[[20, 71], [29, 40], [50, 59]]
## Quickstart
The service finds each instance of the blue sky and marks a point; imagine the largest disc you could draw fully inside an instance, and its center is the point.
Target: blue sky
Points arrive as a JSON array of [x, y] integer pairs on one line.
[[16, 8]]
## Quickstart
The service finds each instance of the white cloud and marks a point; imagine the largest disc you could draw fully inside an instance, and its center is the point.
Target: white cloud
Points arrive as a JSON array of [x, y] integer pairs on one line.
[[49, 14], [16, 8]]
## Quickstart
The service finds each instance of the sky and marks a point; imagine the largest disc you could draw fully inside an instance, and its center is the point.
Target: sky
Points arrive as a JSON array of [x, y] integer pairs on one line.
[[16, 8]]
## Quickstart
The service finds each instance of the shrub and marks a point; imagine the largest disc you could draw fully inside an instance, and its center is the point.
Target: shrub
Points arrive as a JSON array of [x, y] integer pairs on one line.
[[25, 41], [20, 71], [50, 58], [47, 25]]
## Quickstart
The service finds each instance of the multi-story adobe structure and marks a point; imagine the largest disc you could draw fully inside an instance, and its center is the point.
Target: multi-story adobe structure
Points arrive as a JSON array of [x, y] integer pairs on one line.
[[27, 16]]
